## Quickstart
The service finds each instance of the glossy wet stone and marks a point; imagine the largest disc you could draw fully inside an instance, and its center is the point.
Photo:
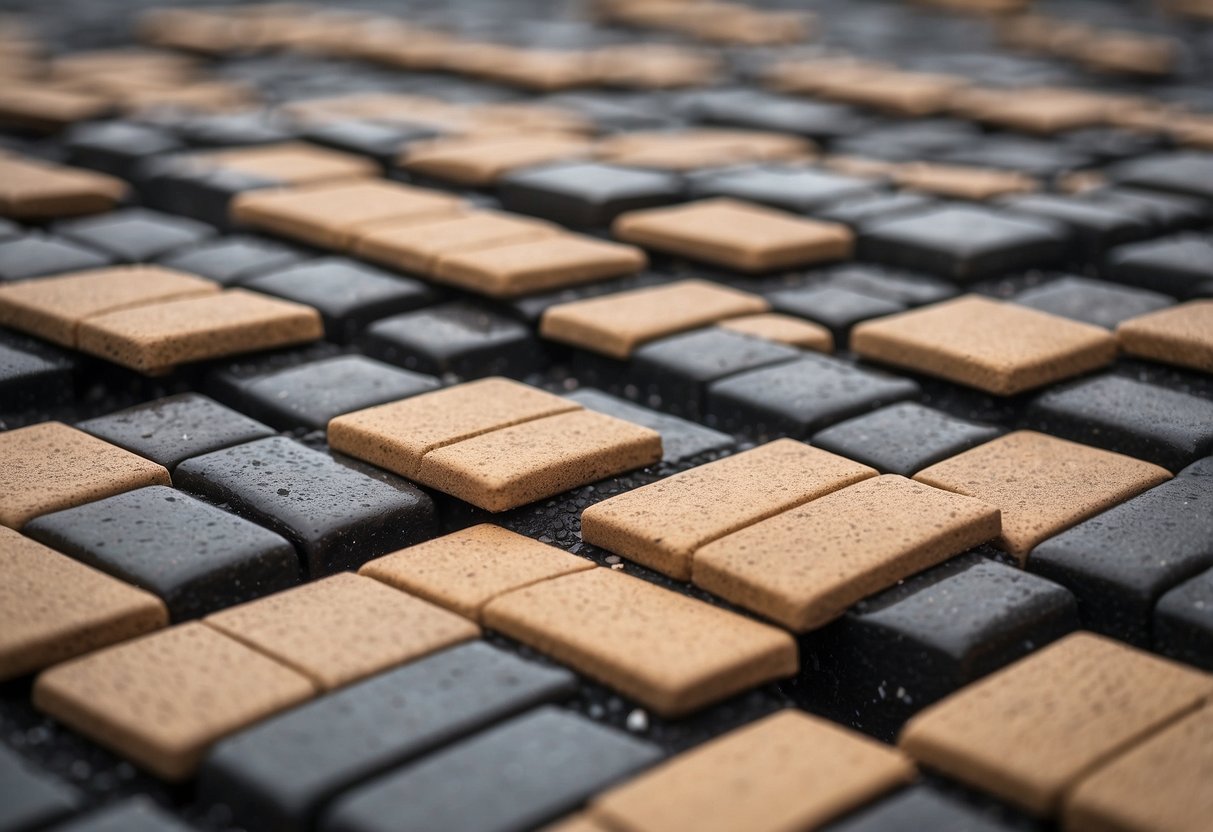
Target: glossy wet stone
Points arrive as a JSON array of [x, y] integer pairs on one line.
[[117, 147], [175, 428], [680, 368], [232, 260], [857, 212], [922, 807], [1163, 213], [135, 235], [193, 556], [895, 653], [1167, 427], [680, 439], [1094, 227], [1119, 563], [29, 798], [908, 288], [136, 814], [800, 397], [1189, 173], [474, 785], [586, 195], [349, 296], [338, 513], [1181, 266], [793, 189], [464, 339], [903, 438], [962, 243], [784, 114], [37, 255], [1183, 622], [307, 396], [29, 379], [278, 775], [1091, 301], [835, 307]]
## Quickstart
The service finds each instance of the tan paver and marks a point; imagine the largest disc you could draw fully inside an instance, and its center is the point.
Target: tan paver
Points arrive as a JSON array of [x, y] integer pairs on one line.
[[419, 248], [34, 190], [464, 570], [1161, 785], [551, 262], [396, 436], [786, 329], [736, 234], [616, 324], [1042, 484], [1044, 110], [162, 700], [482, 160], [998, 347], [38, 105], [787, 771], [50, 466], [963, 181], [156, 337], [54, 608], [54, 307], [895, 91], [806, 566], [670, 653], [330, 216], [291, 163], [341, 629], [1031, 731], [1181, 335], [702, 148], [662, 525], [516, 465]]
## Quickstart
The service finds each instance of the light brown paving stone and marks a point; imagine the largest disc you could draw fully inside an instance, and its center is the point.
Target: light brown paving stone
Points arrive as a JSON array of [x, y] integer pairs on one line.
[[998, 347], [341, 629], [48, 107], [736, 234], [331, 215], [134, 61], [550, 262], [1031, 731], [418, 248], [1180, 335], [54, 307], [53, 608], [787, 771], [662, 525], [200, 97], [292, 163], [1130, 53], [786, 329], [1161, 785], [465, 570], [806, 566], [50, 466], [163, 699], [860, 166], [616, 324], [396, 436], [1045, 110], [156, 337], [517, 465], [902, 93], [482, 160], [670, 653], [962, 181], [702, 148], [533, 69], [654, 66], [32, 189], [1042, 484]]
